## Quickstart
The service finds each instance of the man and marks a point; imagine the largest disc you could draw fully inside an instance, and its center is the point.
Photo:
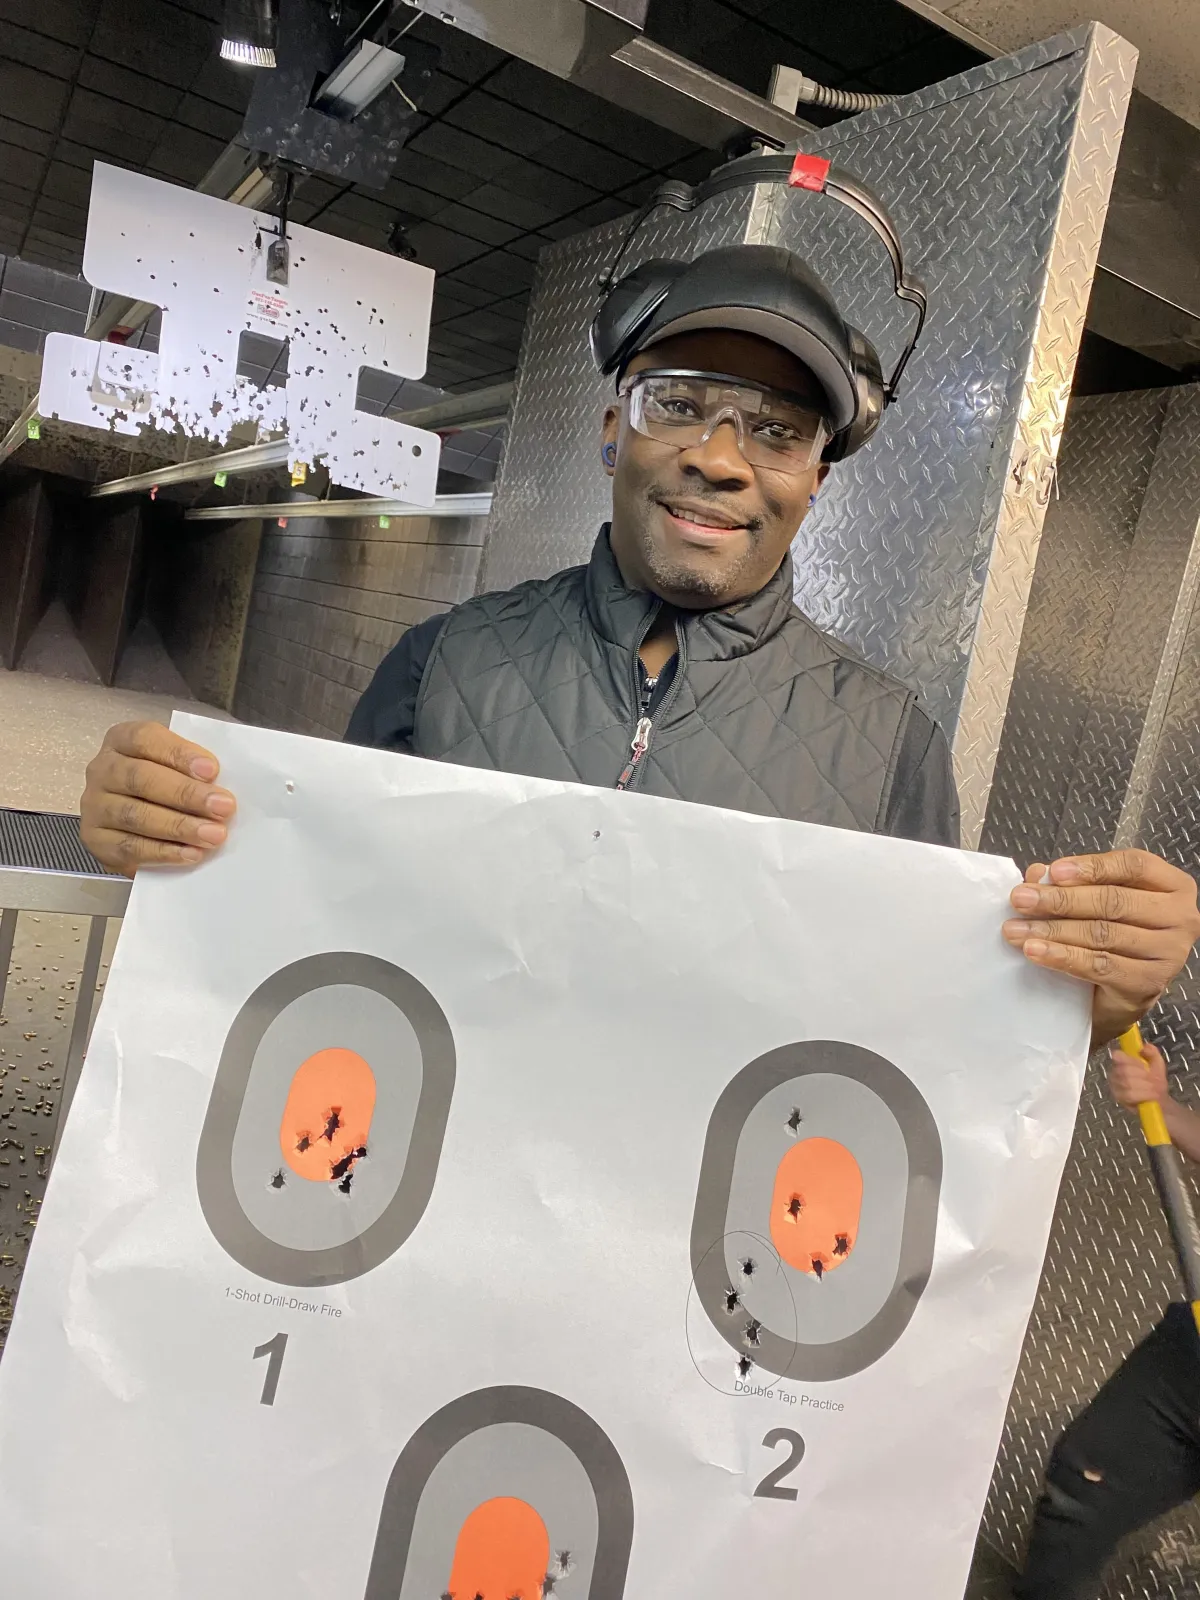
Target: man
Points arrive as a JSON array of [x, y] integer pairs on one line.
[[1134, 1453], [676, 663]]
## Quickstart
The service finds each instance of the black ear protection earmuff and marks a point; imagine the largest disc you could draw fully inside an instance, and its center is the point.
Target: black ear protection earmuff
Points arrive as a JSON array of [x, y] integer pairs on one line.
[[629, 303]]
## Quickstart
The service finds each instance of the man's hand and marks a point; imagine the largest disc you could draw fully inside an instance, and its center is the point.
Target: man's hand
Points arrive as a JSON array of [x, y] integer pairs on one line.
[[1134, 1080], [1125, 921], [150, 800]]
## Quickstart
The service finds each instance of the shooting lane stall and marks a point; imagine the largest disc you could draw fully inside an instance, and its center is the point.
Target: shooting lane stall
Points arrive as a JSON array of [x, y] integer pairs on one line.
[[924, 552]]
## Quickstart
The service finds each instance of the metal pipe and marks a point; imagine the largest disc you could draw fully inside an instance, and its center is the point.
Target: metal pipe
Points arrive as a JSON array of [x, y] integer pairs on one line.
[[479, 408], [446, 505], [254, 458], [790, 87]]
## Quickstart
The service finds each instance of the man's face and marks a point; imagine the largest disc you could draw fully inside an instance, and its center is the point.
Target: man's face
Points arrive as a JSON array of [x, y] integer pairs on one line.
[[745, 517]]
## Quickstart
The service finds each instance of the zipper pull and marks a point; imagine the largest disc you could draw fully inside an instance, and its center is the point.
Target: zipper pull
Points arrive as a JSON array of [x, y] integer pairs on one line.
[[641, 743]]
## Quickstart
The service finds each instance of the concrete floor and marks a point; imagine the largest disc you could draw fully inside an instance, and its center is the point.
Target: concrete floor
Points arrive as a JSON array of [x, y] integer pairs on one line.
[[51, 726]]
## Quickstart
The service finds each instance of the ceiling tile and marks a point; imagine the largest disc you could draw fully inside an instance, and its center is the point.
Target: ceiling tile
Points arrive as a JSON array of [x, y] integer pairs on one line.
[[156, 38], [36, 50], [497, 271], [195, 112], [35, 139], [552, 188], [31, 97], [526, 85], [497, 201], [440, 248], [68, 183], [433, 174], [590, 163], [21, 167], [134, 88], [477, 225], [223, 82], [624, 132], [502, 123], [68, 20], [462, 150]]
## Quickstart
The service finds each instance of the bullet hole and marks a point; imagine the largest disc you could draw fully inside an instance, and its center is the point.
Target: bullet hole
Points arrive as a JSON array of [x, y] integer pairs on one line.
[[303, 1143], [794, 1121], [290, 786], [744, 1366], [596, 835], [752, 1332], [794, 1207], [332, 1123], [841, 1244], [749, 1266], [342, 1172], [416, 449], [818, 1267], [732, 1300], [278, 1181]]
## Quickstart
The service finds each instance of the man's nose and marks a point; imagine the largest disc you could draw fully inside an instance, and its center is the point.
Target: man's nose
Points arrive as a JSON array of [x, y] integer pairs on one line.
[[719, 457]]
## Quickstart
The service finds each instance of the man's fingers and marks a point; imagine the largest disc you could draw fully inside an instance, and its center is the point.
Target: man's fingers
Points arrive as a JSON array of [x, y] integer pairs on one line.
[[160, 785], [1137, 869], [151, 741], [128, 852], [1140, 981], [1110, 902], [118, 813], [1117, 938]]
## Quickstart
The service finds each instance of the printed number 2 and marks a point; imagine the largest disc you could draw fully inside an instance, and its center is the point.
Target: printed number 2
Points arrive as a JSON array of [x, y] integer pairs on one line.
[[771, 1488], [274, 1349]]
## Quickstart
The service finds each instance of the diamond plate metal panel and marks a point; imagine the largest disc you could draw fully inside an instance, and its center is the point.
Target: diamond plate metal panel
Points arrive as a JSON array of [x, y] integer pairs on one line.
[[911, 556], [1104, 467], [918, 555], [552, 492], [1131, 708]]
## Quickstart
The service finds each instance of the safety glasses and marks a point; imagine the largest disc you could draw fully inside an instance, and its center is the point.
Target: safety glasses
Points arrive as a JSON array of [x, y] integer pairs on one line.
[[682, 408]]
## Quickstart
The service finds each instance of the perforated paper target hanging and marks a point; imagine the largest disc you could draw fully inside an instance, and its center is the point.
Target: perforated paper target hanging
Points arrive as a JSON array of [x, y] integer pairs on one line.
[[325, 1123], [815, 1218], [505, 1494]]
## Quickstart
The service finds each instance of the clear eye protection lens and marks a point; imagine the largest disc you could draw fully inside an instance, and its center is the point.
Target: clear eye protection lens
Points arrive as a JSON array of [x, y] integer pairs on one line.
[[685, 409]]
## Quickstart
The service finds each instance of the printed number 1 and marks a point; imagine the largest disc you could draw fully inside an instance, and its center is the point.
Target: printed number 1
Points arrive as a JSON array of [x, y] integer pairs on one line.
[[273, 1349], [772, 1488]]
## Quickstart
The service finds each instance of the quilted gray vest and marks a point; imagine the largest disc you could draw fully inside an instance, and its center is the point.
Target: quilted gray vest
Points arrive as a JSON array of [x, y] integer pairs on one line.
[[765, 714]]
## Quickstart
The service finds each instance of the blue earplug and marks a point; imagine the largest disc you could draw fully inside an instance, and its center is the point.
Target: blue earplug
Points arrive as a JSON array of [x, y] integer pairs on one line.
[[610, 455]]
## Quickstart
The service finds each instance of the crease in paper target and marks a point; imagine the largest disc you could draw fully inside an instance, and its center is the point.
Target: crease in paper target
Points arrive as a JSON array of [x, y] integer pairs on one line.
[[203, 261]]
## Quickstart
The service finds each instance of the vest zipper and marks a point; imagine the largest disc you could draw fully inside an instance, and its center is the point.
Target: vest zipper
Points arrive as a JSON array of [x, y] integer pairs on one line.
[[641, 743], [642, 734]]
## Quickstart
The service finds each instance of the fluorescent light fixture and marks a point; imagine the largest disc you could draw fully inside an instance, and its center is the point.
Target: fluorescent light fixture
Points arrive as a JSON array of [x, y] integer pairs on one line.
[[361, 78], [248, 32]]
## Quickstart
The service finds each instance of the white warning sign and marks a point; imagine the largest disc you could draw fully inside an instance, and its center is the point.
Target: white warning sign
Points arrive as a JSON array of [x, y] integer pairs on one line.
[[483, 1188]]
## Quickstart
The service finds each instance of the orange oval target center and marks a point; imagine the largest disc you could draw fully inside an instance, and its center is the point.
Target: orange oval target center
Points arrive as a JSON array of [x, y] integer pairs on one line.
[[502, 1553], [815, 1206], [327, 1118]]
